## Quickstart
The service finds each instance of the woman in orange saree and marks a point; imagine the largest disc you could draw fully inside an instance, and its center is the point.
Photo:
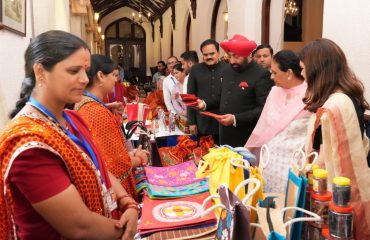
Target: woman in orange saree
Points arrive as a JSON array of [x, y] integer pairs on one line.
[[53, 181], [106, 131], [116, 100]]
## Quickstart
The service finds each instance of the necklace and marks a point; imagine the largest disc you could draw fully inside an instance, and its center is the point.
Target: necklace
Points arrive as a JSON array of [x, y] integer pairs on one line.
[[95, 98], [81, 142]]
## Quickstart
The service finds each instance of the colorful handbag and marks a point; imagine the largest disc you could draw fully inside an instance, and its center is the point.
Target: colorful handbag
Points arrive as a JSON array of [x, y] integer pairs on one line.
[[234, 218], [178, 175], [296, 189], [271, 219], [168, 214], [163, 192]]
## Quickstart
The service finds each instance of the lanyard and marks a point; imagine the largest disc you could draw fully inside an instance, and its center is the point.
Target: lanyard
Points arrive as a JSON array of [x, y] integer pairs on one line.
[[114, 94], [95, 98], [84, 144]]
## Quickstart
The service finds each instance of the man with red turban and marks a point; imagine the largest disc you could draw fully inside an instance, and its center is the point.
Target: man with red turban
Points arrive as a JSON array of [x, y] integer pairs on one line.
[[245, 87]]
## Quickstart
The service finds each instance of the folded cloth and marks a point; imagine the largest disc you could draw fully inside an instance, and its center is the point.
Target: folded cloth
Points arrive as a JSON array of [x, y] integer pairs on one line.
[[177, 175], [141, 186], [163, 192]]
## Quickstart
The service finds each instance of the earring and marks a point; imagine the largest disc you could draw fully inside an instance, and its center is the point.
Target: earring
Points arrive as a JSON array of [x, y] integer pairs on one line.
[[39, 84], [289, 78]]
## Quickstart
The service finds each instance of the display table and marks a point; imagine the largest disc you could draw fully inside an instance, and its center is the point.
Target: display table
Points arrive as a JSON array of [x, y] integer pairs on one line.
[[158, 140]]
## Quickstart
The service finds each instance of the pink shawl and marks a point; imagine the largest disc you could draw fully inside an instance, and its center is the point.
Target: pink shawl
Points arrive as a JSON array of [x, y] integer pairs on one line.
[[281, 108]]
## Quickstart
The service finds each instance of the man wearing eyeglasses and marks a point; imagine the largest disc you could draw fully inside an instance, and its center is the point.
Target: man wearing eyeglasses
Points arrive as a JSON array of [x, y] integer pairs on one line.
[[205, 82], [168, 84]]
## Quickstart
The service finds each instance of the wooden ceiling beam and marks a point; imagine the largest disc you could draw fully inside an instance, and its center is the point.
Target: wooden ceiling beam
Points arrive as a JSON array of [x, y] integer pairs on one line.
[[104, 7]]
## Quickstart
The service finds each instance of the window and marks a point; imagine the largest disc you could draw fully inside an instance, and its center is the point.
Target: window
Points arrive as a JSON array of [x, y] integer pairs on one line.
[[138, 32], [124, 29], [111, 31]]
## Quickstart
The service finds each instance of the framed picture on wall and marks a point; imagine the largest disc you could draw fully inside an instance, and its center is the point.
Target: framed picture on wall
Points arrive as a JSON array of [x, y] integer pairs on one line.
[[13, 16]]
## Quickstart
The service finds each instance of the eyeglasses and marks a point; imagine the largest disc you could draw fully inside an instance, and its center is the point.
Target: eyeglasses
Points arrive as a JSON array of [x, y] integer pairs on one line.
[[170, 63]]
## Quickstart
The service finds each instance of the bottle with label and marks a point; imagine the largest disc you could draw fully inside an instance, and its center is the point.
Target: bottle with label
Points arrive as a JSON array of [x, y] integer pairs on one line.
[[319, 203], [172, 122], [161, 120], [320, 181]]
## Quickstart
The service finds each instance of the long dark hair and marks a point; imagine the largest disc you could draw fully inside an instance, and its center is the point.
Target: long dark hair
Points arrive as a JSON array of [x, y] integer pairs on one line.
[[287, 59], [99, 63], [327, 71], [48, 49]]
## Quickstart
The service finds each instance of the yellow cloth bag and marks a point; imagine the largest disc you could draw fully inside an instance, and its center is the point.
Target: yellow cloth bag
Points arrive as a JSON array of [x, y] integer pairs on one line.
[[216, 164]]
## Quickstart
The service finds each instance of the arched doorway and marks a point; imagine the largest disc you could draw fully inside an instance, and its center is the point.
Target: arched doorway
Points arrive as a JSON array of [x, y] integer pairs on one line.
[[187, 36], [219, 25], [125, 43], [265, 33]]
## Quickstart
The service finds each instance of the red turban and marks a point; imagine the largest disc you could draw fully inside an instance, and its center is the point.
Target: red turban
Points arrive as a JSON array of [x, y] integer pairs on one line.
[[239, 45]]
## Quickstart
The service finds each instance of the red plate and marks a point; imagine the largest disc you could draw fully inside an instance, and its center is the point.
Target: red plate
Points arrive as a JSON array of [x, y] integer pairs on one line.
[[187, 95], [209, 114], [189, 99]]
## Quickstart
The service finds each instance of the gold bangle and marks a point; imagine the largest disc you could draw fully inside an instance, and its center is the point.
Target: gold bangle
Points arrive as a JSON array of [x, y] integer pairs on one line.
[[130, 201], [135, 206]]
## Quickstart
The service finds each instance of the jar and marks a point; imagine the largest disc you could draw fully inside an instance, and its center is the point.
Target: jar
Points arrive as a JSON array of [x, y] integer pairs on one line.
[[320, 206], [309, 175], [320, 181], [309, 172], [341, 191], [340, 222]]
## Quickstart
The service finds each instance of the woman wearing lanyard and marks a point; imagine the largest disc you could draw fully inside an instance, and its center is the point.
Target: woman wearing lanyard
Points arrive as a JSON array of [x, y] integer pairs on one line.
[[53, 181], [178, 104], [115, 100], [105, 129]]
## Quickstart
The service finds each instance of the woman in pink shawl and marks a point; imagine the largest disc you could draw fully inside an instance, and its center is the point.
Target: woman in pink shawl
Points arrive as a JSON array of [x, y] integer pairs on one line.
[[283, 122]]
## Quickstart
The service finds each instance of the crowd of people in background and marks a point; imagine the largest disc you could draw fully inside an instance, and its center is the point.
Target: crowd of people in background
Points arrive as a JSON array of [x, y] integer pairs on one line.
[[84, 165]]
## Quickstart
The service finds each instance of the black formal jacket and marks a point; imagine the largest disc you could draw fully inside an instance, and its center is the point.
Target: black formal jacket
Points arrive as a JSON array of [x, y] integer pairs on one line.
[[205, 82], [246, 104]]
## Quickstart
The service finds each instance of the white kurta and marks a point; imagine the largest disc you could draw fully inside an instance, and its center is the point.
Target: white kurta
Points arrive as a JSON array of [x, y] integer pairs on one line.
[[281, 148]]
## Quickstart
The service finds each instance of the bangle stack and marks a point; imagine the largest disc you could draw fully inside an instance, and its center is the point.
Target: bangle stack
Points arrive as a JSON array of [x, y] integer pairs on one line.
[[123, 206], [131, 203], [140, 158], [135, 206]]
